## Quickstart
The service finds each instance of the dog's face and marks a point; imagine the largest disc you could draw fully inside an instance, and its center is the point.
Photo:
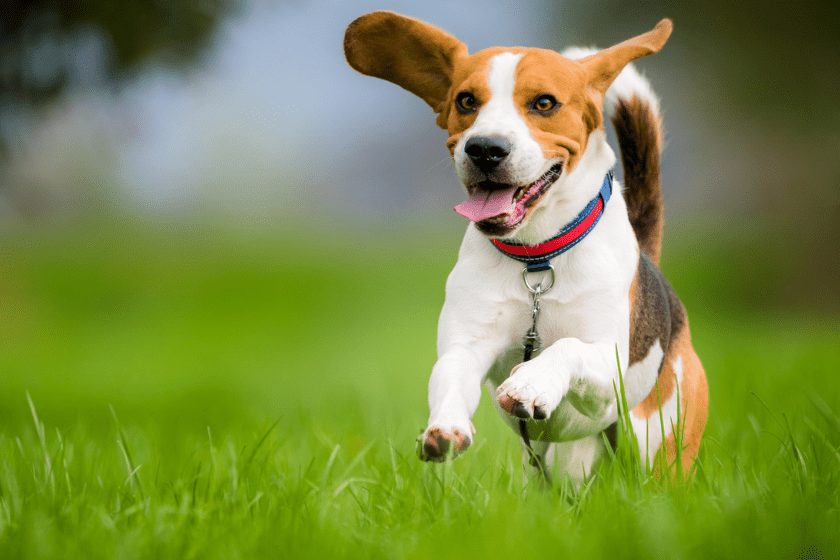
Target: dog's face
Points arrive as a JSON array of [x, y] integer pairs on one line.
[[518, 119]]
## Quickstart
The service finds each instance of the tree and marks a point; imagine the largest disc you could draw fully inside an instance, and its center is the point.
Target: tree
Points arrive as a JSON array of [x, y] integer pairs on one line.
[[36, 35]]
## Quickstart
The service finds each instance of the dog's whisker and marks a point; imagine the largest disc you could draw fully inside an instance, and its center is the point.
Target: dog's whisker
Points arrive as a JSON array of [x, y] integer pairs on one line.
[[444, 160]]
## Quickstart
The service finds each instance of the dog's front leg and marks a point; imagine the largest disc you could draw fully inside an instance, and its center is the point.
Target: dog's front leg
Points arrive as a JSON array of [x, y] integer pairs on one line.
[[454, 392], [582, 372]]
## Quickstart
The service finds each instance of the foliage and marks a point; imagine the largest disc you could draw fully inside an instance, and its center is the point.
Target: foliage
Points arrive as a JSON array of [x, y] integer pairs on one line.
[[36, 37], [266, 389], [48, 46]]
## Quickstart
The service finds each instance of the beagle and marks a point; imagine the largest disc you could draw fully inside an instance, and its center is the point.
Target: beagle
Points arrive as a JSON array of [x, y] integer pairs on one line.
[[526, 134]]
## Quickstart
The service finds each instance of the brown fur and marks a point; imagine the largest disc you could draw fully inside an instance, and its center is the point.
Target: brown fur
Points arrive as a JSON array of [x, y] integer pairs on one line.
[[437, 67], [655, 311], [565, 133], [656, 314], [666, 384], [437, 444], [408, 52], [639, 135], [694, 406]]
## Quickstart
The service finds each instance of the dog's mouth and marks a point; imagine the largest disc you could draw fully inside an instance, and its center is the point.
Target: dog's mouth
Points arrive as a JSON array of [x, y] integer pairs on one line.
[[497, 208]]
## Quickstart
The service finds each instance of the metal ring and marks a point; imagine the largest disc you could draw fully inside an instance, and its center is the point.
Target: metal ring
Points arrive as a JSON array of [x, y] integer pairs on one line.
[[538, 289]]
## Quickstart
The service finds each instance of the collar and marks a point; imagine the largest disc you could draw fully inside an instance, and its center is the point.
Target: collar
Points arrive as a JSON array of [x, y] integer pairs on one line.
[[537, 257]]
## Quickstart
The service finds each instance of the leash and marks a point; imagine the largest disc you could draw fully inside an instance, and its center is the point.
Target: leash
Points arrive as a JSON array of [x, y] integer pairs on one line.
[[531, 342], [537, 258]]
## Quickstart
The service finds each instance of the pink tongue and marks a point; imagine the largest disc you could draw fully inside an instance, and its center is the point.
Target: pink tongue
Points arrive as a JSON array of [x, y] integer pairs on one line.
[[480, 206]]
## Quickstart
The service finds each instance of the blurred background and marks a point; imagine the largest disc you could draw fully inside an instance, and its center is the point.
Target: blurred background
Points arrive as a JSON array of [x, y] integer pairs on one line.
[[246, 110], [182, 177]]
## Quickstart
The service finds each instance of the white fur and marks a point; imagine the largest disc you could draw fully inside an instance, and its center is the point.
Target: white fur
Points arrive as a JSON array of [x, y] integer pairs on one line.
[[640, 371], [572, 459], [585, 318], [576, 458], [499, 117], [649, 430], [629, 82]]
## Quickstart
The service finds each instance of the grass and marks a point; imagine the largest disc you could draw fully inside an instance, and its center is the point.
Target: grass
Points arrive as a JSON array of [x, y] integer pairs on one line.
[[188, 391]]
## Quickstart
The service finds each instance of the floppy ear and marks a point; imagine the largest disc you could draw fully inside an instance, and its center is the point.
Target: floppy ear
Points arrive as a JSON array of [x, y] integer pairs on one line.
[[412, 54], [605, 66]]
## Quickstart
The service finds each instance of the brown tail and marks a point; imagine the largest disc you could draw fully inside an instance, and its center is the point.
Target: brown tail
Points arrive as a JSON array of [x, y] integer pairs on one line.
[[639, 132]]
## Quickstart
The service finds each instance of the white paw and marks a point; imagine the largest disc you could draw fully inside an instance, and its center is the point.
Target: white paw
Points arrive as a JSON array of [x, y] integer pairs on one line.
[[532, 391], [438, 442]]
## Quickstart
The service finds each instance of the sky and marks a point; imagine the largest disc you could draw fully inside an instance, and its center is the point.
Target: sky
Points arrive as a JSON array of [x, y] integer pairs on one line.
[[274, 120], [279, 100]]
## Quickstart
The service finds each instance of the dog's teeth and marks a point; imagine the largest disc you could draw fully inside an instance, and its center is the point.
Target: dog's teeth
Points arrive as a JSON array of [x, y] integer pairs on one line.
[[519, 192]]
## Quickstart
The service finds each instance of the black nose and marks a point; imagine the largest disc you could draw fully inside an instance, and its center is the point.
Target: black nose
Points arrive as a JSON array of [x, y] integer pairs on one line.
[[487, 152]]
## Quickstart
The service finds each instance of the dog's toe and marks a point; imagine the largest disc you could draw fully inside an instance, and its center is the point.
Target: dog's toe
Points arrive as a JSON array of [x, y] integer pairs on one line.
[[507, 403], [531, 392], [520, 411], [434, 449], [461, 440], [439, 443]]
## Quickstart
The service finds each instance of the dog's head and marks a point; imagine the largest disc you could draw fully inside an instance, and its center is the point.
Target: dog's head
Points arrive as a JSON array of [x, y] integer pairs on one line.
[[518, 118]]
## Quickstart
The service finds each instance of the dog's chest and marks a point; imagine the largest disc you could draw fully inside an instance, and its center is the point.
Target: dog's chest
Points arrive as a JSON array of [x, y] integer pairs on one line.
[[556, 320], [565, 422], [589, 319]]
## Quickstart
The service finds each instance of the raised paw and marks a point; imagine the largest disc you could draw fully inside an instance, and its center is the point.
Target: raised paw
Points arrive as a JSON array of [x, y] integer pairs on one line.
[[517, 408], [438, 443], [530, 393]]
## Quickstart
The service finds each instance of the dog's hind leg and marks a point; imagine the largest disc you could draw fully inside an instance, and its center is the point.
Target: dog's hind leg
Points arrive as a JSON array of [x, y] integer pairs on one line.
[[569, 459], [682, 374]]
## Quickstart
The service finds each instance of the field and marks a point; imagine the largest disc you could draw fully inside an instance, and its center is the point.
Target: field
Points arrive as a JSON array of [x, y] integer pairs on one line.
[[194, 390]]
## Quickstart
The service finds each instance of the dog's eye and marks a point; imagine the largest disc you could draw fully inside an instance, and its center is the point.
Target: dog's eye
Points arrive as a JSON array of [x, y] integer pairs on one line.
[[545, 103], [465, 102]]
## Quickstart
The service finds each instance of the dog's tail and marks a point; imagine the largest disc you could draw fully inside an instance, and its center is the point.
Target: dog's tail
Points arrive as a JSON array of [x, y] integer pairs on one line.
[[638, 126]]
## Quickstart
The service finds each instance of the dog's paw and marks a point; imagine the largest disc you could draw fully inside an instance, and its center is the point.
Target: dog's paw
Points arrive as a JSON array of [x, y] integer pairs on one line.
[[531, 392], [437, 443]]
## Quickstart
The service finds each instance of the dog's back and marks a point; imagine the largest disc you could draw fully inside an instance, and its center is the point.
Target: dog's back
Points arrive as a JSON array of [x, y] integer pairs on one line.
[[638, 125]]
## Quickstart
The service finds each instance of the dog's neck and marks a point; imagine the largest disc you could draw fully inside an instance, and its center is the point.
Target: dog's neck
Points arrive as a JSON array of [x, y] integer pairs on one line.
[[570, 194]]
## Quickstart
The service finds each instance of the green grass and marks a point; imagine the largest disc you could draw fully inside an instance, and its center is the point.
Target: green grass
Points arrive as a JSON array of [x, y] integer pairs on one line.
[[190, 391]]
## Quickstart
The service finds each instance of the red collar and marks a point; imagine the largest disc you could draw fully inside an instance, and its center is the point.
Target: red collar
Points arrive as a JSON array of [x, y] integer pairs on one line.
[[537, 257]]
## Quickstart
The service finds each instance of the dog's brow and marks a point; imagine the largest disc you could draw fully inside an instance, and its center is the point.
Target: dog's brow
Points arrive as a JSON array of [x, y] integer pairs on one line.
[[502, 76]]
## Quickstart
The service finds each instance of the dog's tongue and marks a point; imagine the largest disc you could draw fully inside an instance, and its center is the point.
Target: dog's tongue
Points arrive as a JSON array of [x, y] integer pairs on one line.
[[483, 204]]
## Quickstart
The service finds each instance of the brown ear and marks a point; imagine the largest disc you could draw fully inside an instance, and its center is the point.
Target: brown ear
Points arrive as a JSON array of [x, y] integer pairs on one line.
[[605, 66], [412, 54]]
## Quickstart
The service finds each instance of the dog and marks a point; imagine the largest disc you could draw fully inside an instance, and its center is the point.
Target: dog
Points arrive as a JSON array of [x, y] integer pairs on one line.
[[526, 135]]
